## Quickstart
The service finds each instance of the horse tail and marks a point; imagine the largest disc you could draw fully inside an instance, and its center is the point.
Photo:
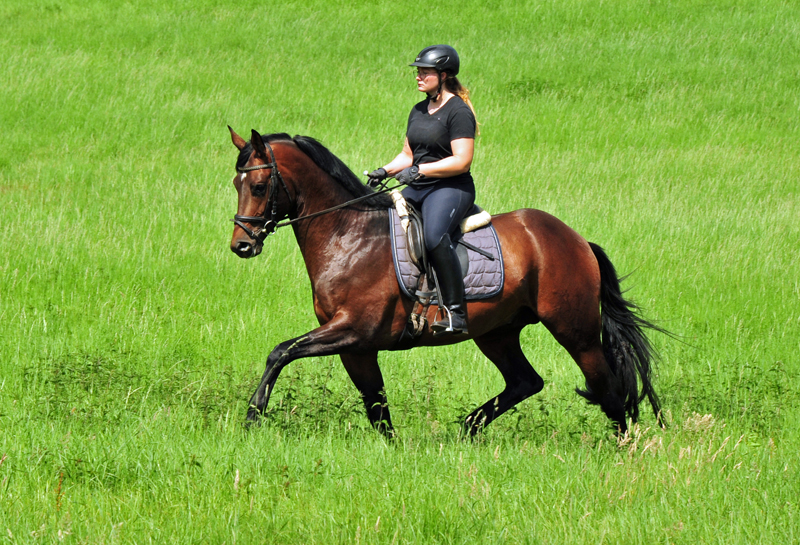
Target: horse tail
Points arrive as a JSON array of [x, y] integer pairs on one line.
[[625, 345]]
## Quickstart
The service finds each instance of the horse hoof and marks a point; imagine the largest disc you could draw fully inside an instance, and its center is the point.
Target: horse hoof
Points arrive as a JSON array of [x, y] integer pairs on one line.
[[254, 417], [473, 427]]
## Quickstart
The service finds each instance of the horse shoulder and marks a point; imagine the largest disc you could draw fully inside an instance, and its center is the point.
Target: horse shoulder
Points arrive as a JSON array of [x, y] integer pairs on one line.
[[353, 272]]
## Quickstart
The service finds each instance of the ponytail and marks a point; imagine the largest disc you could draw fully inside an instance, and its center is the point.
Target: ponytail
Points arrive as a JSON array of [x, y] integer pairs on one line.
[[455, 87]]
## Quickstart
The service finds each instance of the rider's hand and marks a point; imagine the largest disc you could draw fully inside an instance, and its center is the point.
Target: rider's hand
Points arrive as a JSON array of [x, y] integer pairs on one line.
[[408, 175], [376, 177]]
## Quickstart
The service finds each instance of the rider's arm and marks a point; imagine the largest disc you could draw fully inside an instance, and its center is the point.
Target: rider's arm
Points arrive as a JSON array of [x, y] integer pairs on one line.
[[458, 163], [403, 160]]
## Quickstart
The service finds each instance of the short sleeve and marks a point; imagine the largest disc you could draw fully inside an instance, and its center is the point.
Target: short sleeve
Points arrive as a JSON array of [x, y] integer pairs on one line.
[[462, 123]]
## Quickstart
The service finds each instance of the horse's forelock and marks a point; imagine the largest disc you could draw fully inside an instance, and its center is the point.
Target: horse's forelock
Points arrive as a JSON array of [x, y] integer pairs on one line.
[[244, 156]]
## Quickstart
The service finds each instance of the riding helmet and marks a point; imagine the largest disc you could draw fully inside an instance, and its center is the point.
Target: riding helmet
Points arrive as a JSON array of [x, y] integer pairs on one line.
[[441, 57]]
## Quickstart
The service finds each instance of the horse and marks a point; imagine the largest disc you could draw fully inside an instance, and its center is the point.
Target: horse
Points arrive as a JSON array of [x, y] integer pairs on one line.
[[553, 276]]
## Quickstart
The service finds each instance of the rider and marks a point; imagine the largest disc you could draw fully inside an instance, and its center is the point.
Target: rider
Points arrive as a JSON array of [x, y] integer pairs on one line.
[[435, 163]]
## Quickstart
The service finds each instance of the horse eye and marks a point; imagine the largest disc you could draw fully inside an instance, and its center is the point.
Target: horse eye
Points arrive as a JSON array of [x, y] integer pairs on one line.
[[259, 190]]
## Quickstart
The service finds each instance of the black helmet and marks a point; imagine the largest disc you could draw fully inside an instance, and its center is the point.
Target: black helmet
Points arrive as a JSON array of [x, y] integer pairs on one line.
[[441, 57]]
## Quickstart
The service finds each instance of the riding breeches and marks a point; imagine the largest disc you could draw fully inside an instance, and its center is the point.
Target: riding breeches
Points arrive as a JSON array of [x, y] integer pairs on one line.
[[442, 207]]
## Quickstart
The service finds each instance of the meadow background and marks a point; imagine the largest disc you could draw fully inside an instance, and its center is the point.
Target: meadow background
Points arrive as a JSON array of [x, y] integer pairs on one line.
[[131, 337]]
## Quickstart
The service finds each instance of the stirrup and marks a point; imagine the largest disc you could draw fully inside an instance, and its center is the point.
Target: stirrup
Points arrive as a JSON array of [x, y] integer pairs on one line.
[[445, 326]]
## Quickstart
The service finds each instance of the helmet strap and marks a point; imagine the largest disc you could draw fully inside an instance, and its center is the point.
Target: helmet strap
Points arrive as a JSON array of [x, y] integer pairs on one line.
[[435, 96]]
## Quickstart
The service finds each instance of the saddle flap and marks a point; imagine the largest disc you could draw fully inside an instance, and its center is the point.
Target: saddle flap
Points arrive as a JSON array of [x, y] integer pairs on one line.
[[416, 242], [483, 275]]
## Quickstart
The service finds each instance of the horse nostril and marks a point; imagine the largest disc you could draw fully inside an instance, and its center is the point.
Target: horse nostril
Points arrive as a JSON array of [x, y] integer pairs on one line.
[[243, 249]]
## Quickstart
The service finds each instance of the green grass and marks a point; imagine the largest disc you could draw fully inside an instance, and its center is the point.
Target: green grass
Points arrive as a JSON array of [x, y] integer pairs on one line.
[[132, 338]]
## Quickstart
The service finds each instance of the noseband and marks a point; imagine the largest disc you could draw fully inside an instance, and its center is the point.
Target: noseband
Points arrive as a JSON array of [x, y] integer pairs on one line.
[[265, 224]]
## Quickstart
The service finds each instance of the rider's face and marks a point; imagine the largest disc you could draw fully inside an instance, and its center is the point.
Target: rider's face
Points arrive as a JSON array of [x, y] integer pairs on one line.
[[427, 80]]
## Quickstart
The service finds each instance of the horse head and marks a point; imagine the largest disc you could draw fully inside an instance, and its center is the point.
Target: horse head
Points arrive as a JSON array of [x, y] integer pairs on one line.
[[263, 195]]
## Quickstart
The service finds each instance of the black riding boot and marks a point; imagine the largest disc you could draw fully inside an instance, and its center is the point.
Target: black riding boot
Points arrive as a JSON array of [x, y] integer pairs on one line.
[[451, 285]]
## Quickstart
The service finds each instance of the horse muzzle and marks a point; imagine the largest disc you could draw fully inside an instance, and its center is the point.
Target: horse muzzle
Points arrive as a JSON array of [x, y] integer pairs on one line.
[[246, 248], [252, 247]]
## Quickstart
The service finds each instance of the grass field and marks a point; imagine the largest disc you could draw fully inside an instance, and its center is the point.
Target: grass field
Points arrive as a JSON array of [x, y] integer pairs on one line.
[[132, 338]]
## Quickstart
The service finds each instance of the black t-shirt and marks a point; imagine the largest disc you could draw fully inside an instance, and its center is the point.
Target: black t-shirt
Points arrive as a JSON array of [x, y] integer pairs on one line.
[[429, 135]]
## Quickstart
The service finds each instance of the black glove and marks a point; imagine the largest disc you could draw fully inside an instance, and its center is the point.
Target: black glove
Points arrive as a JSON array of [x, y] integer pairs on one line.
[[408, 175], [376, 177]]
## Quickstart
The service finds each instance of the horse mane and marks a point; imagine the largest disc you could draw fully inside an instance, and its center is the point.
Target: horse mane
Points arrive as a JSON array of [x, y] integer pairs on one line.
[[328, 162], [340, 172]]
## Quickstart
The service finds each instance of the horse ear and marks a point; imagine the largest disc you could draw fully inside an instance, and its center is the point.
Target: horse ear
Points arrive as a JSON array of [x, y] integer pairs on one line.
[[238, 141], [258, 144]]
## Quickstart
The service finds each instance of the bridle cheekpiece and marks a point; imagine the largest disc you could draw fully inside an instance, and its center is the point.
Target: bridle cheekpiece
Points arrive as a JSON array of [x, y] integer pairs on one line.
[[265, 224]]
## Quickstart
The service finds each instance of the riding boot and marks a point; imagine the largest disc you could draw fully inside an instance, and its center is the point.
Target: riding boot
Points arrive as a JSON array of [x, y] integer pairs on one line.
[[451, 287]]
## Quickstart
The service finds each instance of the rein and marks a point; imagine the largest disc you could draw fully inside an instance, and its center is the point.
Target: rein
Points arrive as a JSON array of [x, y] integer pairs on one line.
[[268, 224]]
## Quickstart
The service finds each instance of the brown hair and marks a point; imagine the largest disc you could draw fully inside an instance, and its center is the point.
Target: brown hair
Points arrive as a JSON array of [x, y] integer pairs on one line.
[[454, 86]]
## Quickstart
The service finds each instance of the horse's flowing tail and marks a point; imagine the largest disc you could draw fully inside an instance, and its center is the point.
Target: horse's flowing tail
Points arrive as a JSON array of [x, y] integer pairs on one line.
[[626, 348]]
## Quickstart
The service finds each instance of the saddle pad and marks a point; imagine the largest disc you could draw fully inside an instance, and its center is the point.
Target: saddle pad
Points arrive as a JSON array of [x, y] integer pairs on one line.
[[484, 278]]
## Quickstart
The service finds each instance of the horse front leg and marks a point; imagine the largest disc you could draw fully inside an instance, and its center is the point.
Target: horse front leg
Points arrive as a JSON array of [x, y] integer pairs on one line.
[[276, 361], [365, 373], [326, 340], [502, 347]]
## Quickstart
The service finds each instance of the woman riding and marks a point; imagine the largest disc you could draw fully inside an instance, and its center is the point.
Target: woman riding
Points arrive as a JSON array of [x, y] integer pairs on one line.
[[435, 163]]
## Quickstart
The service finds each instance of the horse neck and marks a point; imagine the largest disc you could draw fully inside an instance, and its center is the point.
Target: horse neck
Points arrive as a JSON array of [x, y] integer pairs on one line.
[[317, 192], [327, 237]]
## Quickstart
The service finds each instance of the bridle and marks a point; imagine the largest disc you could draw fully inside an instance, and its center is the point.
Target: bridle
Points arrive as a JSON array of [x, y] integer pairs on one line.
[[266, 225]]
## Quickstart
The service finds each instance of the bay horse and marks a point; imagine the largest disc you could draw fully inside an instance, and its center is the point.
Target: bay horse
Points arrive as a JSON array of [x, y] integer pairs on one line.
[[552, 275]]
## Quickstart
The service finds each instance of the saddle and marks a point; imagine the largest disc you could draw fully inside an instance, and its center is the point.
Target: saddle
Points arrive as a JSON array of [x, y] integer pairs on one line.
[[477, 248]]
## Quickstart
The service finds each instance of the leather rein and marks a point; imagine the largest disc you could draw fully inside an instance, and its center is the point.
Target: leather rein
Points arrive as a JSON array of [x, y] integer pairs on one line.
[[266, 225]]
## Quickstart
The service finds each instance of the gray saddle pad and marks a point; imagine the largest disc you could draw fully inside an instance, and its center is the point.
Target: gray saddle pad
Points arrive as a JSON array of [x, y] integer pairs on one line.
[[484, 277]]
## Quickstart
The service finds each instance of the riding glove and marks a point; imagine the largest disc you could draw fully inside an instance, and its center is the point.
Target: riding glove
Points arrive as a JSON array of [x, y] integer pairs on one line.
[[376, 177], [408, 175]]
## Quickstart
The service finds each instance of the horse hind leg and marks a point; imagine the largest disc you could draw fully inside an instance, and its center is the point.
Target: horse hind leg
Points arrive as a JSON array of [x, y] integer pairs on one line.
[[575, 322], [503, 348], [614, 367], [603, 387]]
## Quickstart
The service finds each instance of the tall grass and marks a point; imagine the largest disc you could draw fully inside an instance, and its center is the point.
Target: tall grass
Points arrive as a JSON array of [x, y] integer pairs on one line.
[[132, 338]]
